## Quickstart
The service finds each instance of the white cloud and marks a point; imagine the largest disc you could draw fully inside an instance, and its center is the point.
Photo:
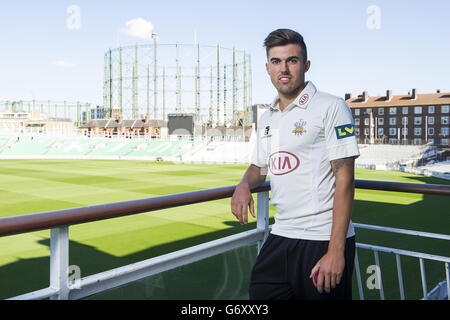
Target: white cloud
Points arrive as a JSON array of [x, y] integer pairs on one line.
[[63, 64], [139, 28]]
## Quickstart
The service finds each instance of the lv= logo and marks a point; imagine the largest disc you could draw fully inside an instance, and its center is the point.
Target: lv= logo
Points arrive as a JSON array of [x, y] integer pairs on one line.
[[345, 131]]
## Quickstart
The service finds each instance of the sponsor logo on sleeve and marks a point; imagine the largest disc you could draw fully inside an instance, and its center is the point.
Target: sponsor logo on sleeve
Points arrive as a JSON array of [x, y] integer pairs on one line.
[[282, 162], [345, 131]]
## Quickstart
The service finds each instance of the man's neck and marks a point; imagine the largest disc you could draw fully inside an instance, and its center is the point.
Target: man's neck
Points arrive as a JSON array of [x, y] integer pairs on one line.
[[285, 100]]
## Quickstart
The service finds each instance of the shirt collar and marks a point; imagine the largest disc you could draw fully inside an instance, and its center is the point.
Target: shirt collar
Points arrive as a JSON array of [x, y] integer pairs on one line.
[[301, 101]]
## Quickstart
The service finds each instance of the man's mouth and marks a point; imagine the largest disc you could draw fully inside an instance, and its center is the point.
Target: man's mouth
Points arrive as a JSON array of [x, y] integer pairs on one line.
[[284, 79]]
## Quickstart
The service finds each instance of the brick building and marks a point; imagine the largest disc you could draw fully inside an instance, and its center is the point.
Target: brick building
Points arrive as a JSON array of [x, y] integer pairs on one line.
[[404, 119], [144, 127]]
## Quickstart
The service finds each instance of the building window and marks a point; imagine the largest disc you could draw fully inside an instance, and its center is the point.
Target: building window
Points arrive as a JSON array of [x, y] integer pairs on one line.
[[392, 141], [380, 121], [404, 131], [430, 120], [417, 141], [404, 121], [380, 131], [357, 131], [366, 121], [444, 120], [444, 142], [431, 140], [417, 110], [393, 110], [445, 109], [357, 112], [366, 131], [368, 110], [431, 109], [392, 131], [417, 121], [392, 121], [405, 110], [417, 131], [381, 111], [431, 131], [444, 131], [357, 122]]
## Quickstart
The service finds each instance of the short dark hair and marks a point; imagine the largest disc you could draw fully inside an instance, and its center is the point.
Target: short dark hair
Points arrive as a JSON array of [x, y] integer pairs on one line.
[[282, 37]]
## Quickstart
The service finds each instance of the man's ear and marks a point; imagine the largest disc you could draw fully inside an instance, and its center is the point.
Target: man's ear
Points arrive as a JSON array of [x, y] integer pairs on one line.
[[267, 68], [307, 65]]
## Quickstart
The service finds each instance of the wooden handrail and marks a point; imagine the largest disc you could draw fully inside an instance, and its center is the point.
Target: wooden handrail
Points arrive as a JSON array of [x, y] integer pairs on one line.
[[53, 219]]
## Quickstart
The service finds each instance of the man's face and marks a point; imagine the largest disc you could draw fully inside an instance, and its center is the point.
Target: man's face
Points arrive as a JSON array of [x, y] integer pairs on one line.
[[286, 69]]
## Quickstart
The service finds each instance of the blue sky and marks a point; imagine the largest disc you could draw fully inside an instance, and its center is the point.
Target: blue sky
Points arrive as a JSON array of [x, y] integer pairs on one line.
[[41, 58]]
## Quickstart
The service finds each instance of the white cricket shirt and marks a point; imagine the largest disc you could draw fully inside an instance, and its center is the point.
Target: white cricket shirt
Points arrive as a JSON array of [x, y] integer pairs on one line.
[[296, 146]]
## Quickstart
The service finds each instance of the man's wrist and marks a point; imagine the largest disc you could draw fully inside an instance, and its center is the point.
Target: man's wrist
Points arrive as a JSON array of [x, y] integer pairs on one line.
[[335, 248], [244, 184]]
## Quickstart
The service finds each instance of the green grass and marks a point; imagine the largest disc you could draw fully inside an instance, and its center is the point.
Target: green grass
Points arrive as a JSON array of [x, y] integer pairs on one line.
[[30, 186]]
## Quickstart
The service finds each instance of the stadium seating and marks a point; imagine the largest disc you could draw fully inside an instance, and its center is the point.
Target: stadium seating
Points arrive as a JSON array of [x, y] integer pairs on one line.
[[114, 148], [95, 148], [390, 154], [222, 152], [29, 146], [383, 157]]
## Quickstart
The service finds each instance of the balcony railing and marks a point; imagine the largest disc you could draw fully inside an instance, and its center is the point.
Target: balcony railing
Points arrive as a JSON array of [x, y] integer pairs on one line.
[[60, 221]]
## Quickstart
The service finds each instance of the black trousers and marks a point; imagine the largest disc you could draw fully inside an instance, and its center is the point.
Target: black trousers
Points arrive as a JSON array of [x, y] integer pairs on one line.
[[282, 269]]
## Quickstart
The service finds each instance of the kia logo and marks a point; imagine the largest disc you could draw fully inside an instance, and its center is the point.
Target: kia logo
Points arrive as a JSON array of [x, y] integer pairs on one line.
[[282, 162], [304, 99]]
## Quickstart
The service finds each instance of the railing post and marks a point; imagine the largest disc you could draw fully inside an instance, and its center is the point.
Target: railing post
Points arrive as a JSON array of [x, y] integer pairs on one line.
[[59, 262], [358, 276], [262, 216]]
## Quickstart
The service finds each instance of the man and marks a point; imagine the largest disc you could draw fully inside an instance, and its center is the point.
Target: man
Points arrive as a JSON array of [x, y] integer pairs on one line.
[[306, 145]]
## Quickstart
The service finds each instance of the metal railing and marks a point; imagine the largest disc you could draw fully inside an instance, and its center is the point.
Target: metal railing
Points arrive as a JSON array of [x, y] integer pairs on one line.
[[398, 253], [60, 221]]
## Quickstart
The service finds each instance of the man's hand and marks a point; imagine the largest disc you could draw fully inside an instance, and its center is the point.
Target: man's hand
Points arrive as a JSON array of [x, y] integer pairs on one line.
[[331, 266], [241, 200], [329, 272]]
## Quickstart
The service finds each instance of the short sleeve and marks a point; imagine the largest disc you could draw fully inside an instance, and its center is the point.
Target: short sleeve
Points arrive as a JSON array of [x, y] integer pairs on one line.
[[259, 155], [340, 132]]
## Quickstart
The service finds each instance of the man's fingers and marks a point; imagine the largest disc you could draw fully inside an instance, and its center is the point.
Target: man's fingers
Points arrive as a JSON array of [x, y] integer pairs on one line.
[[252, 207], [320, 282], [327, 283], [314, 270], [332, 281], [338, 279], [244, 215]]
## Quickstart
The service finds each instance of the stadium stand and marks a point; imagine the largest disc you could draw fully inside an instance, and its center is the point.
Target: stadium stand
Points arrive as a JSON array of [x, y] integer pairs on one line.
[[28, 146], [222, 152], [3, 142], [93, 148], [389, 155], [411, 158]]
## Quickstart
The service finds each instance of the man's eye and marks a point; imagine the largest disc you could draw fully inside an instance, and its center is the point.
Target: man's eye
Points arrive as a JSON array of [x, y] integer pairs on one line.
[[293, 61], [275, 62]]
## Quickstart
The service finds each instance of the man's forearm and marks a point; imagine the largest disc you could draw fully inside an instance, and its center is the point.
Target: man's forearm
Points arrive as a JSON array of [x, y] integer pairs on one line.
[[342, 211], [343, 203], [253, 177]]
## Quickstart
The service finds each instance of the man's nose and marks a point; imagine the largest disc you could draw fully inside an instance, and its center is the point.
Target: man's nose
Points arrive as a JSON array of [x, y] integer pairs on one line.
[[284, 67]]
